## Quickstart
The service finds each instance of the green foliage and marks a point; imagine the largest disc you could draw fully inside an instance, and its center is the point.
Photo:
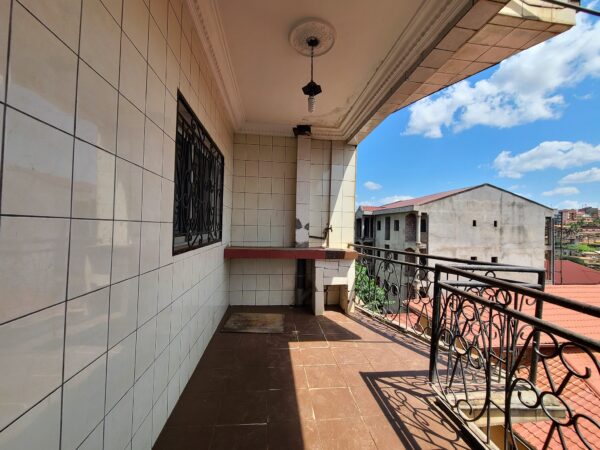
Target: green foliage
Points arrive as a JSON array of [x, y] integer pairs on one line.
[[373, 297], [581, 248]]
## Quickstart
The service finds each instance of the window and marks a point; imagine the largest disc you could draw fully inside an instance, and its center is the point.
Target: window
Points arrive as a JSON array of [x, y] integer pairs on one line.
[[423, 225], [474, 223], [387, 228], [379, 225], [495, 224], [198, 192], [396, 225], [386, 246], [473, 258], [395, 256], [494, 259]]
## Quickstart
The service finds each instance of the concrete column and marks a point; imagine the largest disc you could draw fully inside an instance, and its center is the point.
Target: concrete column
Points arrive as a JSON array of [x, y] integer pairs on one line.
[[418, 237], [302, 191]]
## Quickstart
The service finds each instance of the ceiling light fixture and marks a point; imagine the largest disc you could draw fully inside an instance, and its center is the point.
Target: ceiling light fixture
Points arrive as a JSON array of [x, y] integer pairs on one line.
[[312, 37], [312, 89]]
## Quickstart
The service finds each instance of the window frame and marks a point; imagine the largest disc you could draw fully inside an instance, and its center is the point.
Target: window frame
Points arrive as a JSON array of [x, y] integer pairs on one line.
[[196, 157]]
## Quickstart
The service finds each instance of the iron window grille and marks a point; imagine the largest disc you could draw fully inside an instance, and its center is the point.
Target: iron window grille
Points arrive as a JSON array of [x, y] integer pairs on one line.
[[198, 192]]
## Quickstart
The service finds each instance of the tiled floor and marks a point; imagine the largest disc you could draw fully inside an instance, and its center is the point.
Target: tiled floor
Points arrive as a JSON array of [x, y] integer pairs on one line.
[[332, 382]]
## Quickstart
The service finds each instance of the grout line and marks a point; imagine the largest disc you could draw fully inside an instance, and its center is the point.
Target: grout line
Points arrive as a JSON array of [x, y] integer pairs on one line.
[[4, 106], [137, 306], [113, 232], [70, 231]]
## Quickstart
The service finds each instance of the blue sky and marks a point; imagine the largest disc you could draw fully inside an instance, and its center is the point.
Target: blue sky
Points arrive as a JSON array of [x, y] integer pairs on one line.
[[530, 125]]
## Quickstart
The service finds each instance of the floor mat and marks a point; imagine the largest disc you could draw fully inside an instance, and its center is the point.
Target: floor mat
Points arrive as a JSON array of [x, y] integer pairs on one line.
[[254, 323]]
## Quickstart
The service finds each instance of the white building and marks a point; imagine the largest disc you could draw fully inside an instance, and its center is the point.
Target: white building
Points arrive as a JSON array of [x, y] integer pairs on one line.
[[483, 223]]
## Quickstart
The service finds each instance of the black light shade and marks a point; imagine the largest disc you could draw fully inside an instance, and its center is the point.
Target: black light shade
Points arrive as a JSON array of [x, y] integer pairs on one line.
[[311, 88]]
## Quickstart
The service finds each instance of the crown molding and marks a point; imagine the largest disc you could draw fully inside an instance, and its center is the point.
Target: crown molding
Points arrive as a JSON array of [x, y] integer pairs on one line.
[[411, 47], [208, 22]]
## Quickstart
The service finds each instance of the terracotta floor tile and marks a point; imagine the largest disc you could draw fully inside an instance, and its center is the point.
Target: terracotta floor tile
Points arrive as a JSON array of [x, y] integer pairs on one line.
[[287, 378], [286, 405], [243, 408], [283, 340], [242, 437], [249, 379], [293, 435], [335, 403], [280, 357], [368, 402], [229, 341], [354, 373], [387, 434], [349, 356], [312, 341], [324, 377], [209, 380], [345, 434], [317, 356]]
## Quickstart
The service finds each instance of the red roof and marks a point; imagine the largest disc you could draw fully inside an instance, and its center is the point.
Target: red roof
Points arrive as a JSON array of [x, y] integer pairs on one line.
[[569, 272], [581, 396], [416, 201], [571, 320]]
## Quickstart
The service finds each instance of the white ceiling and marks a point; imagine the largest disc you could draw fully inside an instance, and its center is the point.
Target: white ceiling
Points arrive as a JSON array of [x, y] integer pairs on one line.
[[266, 73]]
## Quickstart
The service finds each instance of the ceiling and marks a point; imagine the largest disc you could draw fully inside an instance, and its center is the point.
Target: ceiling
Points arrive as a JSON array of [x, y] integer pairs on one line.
[[377, 42]]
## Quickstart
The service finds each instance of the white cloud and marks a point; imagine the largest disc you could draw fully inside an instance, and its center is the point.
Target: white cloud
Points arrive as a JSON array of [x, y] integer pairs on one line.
[[567, 190], [587, 176], [557, 154], [394, 198], [568, 204], [523, 89], [372, 186], [385, 200]]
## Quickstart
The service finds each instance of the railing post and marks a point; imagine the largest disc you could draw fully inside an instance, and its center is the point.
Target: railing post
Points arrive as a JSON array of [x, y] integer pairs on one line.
[[435, 324], [539, 307]]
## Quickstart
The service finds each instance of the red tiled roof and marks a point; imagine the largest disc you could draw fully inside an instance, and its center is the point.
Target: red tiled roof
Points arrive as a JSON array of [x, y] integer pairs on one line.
[[416, 201], [569, 272], [582, 397], [571, 320]]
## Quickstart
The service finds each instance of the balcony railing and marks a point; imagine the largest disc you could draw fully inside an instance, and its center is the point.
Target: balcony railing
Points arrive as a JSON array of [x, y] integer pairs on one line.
[[510, 378]]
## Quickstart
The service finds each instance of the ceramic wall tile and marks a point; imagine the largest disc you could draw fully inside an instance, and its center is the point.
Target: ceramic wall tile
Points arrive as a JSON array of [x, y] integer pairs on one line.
[[93, 182], [37, 168], [43, 259], [31, 355], [36, 50], [86, 330]]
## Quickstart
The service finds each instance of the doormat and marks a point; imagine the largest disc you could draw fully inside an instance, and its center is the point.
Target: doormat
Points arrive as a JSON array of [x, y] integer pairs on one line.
[[254, 323]]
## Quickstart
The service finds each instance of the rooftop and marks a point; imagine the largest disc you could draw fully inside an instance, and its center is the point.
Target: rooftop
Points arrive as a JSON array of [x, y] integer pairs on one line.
[[569, 273]]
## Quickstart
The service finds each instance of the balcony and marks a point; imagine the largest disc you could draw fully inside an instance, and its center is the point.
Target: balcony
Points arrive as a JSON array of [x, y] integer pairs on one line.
[[333, 381]]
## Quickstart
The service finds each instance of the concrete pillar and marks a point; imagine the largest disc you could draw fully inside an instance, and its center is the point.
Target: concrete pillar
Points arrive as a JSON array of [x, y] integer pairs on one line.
[[418, 231], [302, 191]]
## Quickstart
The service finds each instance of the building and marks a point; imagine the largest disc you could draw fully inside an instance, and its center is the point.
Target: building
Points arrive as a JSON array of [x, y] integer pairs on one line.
[[482, 223], [161, 163]]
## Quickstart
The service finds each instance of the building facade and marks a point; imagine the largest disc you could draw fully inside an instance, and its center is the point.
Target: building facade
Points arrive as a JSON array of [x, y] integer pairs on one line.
[[482, 223]]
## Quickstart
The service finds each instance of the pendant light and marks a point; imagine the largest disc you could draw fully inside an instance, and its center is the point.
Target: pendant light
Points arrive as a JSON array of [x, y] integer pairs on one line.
[[311, 89]]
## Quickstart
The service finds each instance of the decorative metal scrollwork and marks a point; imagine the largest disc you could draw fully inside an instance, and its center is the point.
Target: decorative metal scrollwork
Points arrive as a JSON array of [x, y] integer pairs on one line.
[[198, 192]]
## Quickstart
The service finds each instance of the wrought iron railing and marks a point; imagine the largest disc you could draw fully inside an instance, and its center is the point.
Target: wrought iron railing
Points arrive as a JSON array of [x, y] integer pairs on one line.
[[397, 286], [512, 379]]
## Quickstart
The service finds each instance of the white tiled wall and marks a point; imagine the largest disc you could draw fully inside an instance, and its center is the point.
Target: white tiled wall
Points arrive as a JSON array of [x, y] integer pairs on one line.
[[264, 191], [100, 326], [262, 281]]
